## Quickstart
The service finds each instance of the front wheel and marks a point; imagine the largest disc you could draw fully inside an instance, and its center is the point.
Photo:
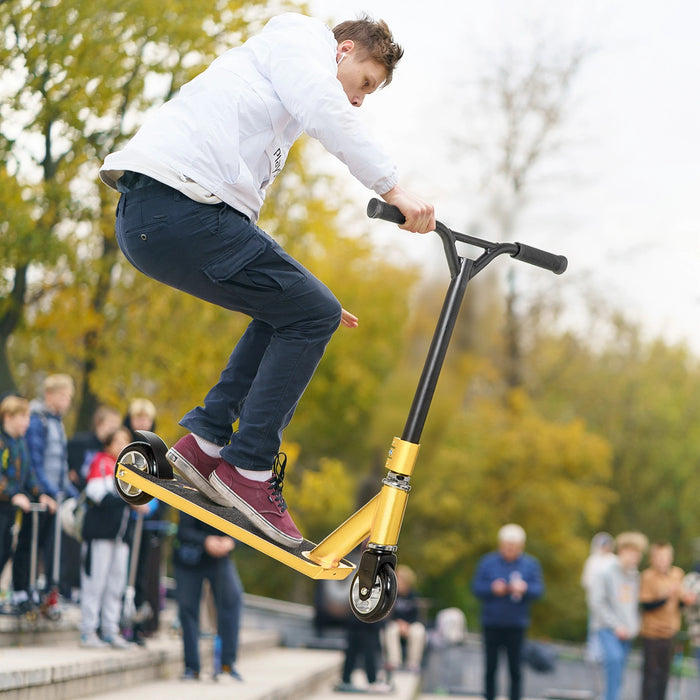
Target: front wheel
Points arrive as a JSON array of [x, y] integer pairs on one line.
[[381, 598], [139, 457]]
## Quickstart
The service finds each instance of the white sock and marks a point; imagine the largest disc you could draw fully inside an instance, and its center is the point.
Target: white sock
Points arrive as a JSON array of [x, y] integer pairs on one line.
[[209, 448], [254, 474]]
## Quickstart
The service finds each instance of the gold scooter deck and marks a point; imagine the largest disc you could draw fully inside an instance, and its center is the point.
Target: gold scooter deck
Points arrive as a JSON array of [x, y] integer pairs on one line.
[[180, 495]]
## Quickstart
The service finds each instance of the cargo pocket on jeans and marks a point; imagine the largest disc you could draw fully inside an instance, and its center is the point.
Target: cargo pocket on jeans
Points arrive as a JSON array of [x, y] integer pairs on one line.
[[234, 259]]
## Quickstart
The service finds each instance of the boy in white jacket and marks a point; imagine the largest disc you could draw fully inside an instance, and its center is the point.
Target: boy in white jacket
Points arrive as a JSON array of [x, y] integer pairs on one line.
[[193, 180]]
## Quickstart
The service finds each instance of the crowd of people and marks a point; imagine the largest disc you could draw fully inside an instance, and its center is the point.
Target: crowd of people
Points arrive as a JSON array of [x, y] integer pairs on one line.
[[43, 472], [649, 605], [57, 496]]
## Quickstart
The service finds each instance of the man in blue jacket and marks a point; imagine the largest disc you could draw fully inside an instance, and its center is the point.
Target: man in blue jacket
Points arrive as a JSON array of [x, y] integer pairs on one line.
[[506, 582]]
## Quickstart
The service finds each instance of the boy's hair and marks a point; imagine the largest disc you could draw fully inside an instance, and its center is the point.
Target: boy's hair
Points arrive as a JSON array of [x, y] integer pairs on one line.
[[59, 382], [142, 407], [121, 430], [375, 37], [12, 405], [633, 540]]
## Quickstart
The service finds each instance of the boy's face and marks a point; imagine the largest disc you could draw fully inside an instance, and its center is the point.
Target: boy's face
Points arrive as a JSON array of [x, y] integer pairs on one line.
[[661, 558], [141, 421], [59, 400], [120, 440], [16, 425], [629, 557], [359, 76]]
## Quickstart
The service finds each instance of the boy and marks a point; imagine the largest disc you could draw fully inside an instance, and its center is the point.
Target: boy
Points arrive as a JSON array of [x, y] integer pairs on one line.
[[661, 595], [193, 180], [46, 439], [613, 602], [18, 487], [105, 549]]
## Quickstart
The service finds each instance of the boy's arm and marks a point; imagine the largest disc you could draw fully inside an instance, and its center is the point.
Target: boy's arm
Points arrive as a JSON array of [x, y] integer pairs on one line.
[[7, 478], [36, 442], [599, 601]]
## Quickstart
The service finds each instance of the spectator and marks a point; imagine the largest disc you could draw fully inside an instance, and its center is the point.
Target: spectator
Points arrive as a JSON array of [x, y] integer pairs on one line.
[[141, 415], [506, 582], [614, 606], [46, 439], [82, 448], [661, 595], [18, 487], [602, 546], [404, 625], [202, 553], [691, 612], [105, 549]]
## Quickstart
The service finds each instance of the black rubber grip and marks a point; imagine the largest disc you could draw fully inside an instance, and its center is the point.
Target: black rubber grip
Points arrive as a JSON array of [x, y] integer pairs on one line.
[[376, 209], [549, 261]]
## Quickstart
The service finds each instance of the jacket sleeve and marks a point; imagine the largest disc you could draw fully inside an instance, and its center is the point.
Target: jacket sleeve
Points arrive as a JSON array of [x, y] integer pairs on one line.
[[8, 479], [36, 442], [599, 601], [303, 73], [483, 578], [190, 532], [534, 579]]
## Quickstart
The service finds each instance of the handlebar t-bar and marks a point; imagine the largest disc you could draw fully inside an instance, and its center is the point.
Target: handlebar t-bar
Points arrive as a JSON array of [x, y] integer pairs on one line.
[[541, 258], [376, 209]]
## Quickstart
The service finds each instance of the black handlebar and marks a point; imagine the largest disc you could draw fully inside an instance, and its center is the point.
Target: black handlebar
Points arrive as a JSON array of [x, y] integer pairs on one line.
[[376, 209]]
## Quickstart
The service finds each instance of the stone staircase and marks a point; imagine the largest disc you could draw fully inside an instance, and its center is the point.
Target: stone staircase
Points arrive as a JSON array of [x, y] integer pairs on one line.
[[42, 661]]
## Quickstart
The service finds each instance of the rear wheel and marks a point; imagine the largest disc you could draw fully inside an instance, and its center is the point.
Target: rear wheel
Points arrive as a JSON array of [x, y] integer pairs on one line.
[[139, 457]]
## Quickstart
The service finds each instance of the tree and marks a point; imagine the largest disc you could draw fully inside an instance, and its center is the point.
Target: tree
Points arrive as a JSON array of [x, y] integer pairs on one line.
[[643, 397], [502, 461], [524, 106]]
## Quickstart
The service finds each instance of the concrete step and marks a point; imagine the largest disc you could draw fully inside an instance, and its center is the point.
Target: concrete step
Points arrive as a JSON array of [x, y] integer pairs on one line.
[[65, 671], [277, 673]]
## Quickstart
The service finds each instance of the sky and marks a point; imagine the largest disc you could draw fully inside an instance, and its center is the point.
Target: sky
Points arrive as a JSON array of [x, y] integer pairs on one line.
[[623, 199]]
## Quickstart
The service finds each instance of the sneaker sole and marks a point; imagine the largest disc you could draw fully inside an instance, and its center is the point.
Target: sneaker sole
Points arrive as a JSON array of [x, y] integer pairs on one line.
[[229, 498], [192, 476]]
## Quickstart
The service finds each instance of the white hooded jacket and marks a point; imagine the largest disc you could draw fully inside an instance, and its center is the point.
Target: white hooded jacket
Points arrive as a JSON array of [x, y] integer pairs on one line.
[[227, 133]]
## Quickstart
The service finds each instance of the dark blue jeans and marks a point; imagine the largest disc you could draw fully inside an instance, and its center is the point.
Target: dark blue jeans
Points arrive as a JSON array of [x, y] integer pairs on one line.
[[215, 253], [227, 590]]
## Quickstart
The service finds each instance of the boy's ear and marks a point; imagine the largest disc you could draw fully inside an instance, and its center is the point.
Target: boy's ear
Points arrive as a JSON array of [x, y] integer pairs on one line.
[[345, 47]]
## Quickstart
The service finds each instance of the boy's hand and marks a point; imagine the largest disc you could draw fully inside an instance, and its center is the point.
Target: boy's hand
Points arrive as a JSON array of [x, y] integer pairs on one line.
[[21, 500], [420, 216], [348, 320], [48, 502]]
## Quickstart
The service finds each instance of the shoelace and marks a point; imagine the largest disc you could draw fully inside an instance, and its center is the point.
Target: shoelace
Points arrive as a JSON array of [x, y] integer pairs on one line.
[[274, 485]]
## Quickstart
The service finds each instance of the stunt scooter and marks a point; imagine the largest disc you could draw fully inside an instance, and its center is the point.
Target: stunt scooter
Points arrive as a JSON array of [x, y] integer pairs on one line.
[[143, 470]]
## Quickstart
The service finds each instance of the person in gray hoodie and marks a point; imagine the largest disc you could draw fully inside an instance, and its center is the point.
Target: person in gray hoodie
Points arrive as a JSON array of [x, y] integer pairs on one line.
[[613, 601]]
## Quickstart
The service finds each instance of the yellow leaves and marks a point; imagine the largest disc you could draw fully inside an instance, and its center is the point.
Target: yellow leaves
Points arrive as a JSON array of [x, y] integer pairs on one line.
[[321, 497]]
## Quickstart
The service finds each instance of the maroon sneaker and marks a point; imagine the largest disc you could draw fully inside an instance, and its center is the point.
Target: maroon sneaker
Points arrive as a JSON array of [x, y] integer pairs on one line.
[[193, 465], [260, 501]]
